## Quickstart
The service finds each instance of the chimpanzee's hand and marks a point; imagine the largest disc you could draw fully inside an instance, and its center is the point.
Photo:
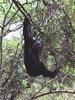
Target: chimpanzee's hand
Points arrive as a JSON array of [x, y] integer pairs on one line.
[[26, 21]]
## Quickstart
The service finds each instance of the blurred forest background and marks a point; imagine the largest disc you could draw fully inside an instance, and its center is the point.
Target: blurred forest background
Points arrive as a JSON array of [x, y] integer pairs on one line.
[[53, 21]]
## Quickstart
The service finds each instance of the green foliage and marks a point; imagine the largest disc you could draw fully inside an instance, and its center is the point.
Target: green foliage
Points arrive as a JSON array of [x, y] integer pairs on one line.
[[49, 29], [9, 46]]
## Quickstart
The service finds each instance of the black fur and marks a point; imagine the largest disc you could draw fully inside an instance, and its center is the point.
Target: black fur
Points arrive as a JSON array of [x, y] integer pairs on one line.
[[32, 49]]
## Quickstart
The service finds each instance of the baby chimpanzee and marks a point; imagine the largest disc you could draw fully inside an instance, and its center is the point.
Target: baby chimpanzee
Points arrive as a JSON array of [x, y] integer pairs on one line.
[[32, 50]]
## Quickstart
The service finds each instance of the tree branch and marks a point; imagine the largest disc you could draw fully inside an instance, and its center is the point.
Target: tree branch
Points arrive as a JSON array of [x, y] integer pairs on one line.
[[51, 92]]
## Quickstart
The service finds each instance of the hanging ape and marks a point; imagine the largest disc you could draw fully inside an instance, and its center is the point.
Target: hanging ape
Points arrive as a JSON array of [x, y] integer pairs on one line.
[[32, 49]]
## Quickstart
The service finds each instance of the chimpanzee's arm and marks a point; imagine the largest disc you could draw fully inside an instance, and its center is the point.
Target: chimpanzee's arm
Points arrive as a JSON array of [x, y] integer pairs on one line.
[[27, 30]]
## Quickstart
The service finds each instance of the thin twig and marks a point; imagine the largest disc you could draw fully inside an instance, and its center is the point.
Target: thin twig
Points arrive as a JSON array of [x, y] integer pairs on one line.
[[42, 88], [1, 38], [51, 92]]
